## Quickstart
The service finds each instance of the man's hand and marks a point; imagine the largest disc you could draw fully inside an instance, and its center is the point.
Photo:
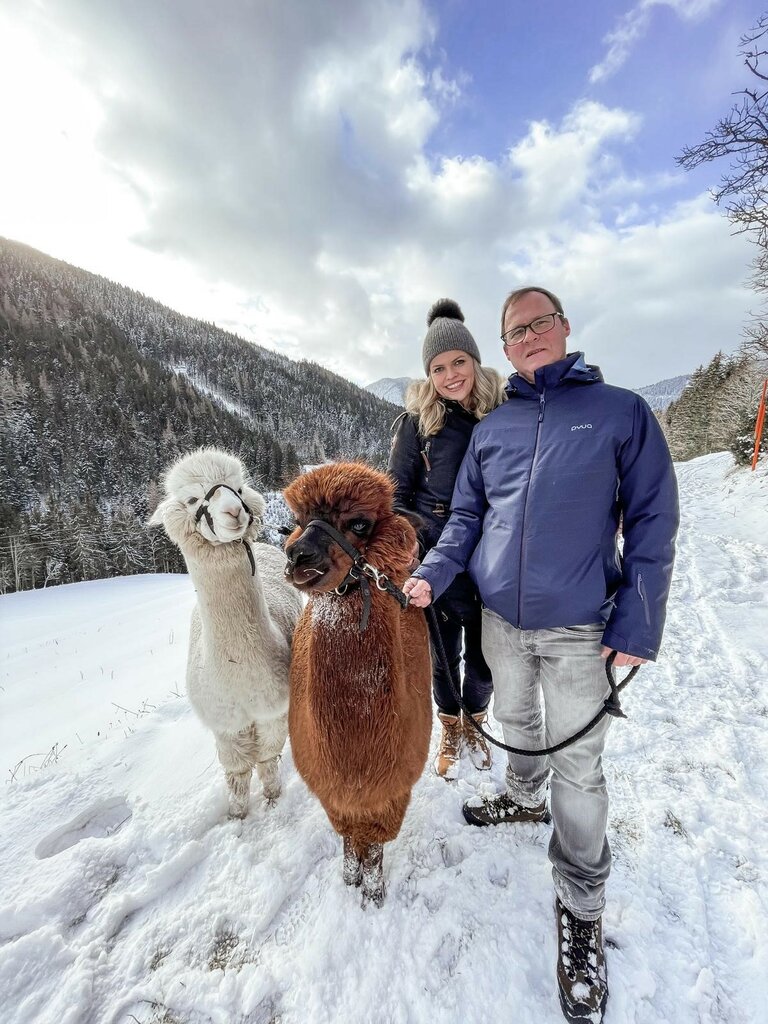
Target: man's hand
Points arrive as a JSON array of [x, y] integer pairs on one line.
[[419, 592], [623, 660]]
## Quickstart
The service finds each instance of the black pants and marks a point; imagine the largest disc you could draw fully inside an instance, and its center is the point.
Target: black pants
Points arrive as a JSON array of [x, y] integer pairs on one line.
[[459, 617]]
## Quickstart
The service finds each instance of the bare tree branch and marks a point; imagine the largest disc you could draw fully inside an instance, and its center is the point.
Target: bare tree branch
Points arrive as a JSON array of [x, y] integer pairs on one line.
[[743, 136]]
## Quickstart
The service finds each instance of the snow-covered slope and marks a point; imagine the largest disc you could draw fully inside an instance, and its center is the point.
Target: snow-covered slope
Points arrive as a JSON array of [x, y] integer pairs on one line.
[[129, 896], [661, 394], [391, 389]]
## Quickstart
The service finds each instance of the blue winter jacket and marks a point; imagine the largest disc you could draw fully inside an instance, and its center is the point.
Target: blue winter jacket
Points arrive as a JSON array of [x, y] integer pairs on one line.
[[535, 511]]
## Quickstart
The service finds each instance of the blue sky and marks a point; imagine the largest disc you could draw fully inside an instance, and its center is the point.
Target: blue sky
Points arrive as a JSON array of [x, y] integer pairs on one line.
[[528, 61], [313, 176]]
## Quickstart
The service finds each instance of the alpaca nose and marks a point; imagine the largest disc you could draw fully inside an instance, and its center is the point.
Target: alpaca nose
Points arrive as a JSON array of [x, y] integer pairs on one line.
[[229, 505], [291, 553], [297, 553]]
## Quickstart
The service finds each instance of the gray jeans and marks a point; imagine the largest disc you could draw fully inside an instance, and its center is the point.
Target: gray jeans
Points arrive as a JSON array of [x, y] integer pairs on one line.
[[564, 667]]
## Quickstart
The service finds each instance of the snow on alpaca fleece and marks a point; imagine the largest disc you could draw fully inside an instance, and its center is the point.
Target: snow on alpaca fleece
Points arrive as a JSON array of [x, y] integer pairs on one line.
[[360, 711]]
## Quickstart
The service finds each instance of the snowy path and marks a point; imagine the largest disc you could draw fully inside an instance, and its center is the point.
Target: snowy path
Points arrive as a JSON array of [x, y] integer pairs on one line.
[[127, 895]]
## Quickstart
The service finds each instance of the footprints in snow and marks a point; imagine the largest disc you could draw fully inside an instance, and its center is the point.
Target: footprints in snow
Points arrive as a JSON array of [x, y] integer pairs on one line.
[[99, 821]]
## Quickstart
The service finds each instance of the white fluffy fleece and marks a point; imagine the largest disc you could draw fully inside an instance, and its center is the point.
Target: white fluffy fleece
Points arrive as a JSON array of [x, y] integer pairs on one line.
[[242, 626]]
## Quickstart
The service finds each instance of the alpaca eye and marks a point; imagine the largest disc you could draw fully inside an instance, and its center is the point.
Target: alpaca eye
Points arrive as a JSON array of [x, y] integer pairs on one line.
[[239, 490], [192, 501], [359, 526]]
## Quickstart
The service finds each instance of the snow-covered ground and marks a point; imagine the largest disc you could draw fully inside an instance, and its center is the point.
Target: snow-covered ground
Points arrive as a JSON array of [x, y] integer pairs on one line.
[[127, 895]]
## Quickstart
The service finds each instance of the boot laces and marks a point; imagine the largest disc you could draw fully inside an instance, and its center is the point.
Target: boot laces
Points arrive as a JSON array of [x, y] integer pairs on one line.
[[579, 953], [501, 805], [475, 740]]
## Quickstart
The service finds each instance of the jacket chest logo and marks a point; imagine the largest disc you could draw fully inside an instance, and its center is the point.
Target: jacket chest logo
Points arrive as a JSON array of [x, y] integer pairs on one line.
[[581, 426]]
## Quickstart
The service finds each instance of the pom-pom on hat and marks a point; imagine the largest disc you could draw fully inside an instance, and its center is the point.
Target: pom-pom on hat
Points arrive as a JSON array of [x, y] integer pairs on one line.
[[446, 332]]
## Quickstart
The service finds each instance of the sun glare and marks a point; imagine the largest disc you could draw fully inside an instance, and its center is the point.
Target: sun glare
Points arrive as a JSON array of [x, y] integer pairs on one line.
[[56, 193]]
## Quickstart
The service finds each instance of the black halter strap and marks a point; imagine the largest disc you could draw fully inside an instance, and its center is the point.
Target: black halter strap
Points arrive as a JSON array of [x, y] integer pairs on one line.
[[360, 572], [203, 511]]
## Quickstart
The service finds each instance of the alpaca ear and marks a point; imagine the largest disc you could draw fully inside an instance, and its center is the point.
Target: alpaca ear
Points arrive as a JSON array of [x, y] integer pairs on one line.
[[158, 516]]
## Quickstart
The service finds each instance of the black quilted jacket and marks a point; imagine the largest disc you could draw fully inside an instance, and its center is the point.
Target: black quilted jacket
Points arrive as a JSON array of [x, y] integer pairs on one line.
[[425, 468]]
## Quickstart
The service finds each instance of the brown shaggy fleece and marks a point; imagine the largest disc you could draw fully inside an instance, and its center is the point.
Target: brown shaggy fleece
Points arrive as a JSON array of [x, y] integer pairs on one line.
[[360, 710]]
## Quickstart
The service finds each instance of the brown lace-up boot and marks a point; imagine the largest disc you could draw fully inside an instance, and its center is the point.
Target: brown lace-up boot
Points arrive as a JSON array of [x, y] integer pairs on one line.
[[476, 744], [449, 751]]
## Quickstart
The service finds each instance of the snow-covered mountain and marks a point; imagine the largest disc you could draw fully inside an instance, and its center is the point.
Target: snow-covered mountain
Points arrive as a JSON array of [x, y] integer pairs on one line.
[[128, 385], [658, 396], [662, 394], [391, 389], [128, 894]]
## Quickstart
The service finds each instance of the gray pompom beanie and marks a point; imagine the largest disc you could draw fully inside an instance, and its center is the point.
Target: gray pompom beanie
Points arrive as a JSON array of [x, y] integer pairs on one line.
[[446, 332]]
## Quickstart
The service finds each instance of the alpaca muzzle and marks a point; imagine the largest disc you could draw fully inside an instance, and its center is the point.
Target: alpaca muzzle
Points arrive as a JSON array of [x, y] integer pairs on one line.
[[305, 565], [203, 510]]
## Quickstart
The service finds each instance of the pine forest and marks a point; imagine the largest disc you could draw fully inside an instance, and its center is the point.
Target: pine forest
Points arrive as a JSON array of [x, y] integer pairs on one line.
[[101, 388]]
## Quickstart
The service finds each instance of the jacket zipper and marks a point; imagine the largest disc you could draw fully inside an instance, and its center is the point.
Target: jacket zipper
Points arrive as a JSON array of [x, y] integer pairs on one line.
[[643, 599], [425, 455], [525, 511]]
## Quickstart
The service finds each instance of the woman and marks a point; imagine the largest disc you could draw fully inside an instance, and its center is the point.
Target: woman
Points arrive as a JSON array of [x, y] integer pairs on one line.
[[430, 441]]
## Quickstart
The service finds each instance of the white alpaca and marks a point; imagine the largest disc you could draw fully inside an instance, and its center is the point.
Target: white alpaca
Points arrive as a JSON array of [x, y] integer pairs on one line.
[[243, 623]]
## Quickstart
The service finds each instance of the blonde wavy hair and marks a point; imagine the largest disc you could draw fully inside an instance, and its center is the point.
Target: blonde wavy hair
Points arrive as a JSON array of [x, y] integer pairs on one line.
[[422, 399]]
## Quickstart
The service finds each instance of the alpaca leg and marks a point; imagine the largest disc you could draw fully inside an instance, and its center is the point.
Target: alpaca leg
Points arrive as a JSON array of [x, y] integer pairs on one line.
[[369, 838], [239, 786], [271, 737], [237, 755], [353, 866], [270, 778], [352, 870], [374, 889]]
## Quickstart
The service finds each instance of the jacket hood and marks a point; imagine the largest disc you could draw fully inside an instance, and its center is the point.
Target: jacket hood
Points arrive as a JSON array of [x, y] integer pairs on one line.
[[572, 368]]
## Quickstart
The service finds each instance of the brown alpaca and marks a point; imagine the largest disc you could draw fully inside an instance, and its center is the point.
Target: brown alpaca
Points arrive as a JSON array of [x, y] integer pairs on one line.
[[360, 711]]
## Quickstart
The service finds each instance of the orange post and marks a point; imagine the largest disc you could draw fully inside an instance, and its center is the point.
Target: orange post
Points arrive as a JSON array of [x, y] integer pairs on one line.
[[759, 424]]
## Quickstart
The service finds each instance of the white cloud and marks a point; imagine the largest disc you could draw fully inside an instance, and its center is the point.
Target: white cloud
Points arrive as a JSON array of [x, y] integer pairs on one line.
[[270, 169], [652, 300], [561, 166], [633, 25]]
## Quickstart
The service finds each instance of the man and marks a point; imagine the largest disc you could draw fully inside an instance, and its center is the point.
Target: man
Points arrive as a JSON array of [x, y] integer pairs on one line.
[[535, 520]]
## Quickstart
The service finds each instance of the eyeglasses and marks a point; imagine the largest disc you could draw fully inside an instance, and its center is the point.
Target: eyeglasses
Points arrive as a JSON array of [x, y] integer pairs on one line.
[[540, 325]]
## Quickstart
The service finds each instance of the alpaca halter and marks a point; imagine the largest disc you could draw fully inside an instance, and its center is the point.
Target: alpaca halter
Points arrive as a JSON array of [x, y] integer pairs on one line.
[[203, 511], [359, 572]]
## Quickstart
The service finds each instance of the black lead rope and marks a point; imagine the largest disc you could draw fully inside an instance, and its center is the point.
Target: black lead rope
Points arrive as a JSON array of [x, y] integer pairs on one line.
[[611, 704], [203, 511], [361, 570]]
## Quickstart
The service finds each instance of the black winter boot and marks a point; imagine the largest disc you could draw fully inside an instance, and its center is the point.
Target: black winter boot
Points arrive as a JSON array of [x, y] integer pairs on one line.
[[502, 808], [582, 979]]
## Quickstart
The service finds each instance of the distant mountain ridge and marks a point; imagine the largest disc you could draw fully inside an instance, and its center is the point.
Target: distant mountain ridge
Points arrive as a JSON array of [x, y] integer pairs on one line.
[[663, 393], [391, 389], [658, 396]]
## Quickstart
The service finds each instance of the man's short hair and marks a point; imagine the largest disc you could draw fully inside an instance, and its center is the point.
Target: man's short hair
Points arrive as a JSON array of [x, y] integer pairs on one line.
[[518, 293]]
